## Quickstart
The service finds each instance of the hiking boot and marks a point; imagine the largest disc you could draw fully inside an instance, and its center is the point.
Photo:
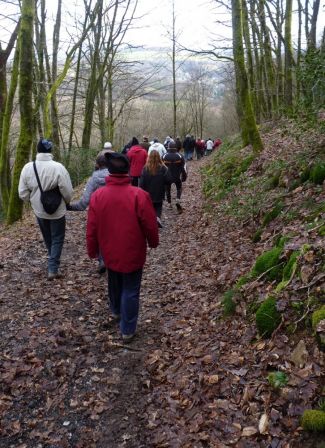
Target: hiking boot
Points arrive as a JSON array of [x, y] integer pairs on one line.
[[116, 317], [53, 275], [101, 269], [127, 337], [178, 206]]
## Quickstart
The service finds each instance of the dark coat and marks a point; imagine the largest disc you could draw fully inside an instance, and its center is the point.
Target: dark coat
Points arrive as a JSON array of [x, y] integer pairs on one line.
[[155, 184], [175, 163]]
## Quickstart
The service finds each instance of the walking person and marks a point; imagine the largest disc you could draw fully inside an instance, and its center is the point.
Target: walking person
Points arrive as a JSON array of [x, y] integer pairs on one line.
[[188, 145], [96, 181], [121, 222], [177, 168], [137, 156], [154, 179], [157, 146], [51, 175], [209, 146]]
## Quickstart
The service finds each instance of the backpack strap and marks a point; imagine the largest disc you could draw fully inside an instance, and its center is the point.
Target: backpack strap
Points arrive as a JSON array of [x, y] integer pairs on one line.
[[38, 181]]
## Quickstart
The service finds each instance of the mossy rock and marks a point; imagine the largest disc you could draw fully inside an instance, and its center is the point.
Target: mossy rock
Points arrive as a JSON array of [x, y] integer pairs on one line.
[[313, 420], [290, 266], [288, 270], [267, 317], [317, 316], [269, 262], [229, 306], [257, 236], [317, 174], [272, 214], [281, 240]]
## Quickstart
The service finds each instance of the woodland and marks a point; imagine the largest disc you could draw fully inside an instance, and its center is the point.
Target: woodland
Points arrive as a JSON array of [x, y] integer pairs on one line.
[[231, 339]]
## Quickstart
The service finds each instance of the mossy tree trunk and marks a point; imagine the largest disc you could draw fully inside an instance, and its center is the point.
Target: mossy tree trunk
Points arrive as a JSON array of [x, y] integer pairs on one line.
[[55, 136], [26, 33], [288, 59], [4, 123], [5, 181], [250, 133], [311, 38], [270, 81], [92, 88], [249, 54], [74, 105]]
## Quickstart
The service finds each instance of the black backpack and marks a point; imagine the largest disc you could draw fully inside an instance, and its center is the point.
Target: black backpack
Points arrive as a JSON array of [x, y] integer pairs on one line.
[[50, 199]]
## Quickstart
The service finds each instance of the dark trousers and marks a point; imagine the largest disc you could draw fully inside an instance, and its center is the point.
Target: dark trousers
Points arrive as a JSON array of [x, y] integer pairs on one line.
[[53, 231], [124, 294], [178, 184], [158, 208]]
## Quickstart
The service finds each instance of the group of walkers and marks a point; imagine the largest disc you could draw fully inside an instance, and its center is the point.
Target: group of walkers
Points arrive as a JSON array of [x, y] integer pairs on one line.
[[123, 216]]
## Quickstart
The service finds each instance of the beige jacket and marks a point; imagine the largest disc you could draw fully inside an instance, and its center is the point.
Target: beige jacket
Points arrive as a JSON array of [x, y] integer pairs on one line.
[[51, 174]]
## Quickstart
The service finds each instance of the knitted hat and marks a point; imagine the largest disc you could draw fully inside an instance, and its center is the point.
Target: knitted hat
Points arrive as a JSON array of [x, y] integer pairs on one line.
[[107, 145], [117, 163], [44, 145]]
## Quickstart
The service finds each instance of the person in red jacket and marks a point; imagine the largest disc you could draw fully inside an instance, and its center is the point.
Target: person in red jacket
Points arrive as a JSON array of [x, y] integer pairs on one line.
[[137, 156], [121, 221]]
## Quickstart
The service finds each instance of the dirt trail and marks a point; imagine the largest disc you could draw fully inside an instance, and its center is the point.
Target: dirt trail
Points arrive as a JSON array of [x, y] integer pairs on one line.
[[67, 381]]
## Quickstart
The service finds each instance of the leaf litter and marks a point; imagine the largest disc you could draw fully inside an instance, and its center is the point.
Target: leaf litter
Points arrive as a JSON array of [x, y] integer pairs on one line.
[[191, 378]]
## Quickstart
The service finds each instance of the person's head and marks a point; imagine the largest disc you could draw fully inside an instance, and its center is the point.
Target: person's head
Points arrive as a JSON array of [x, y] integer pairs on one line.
[[108, 145], [44, 145], [155, 140], [134, 141], [145, 139], [117, 163], [172, 147], [153, 162], [101, 161]]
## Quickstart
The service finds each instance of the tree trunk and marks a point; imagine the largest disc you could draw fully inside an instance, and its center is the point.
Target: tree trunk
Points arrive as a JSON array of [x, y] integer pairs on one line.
[[26, 106], [249, 53], [174, 72], [54, 106], [269, 67], [250, 133], [5, 181], [6, 105], [288, 59], [93, 82]]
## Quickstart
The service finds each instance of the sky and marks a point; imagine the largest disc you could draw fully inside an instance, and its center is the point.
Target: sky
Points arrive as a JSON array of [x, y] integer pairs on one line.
[[198, 21]]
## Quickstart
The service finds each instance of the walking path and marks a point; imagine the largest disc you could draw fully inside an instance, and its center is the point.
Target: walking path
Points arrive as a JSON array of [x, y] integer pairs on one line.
[[189, 379]]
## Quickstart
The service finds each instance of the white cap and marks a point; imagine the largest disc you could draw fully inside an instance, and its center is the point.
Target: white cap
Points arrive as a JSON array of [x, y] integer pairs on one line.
[[107, 145]]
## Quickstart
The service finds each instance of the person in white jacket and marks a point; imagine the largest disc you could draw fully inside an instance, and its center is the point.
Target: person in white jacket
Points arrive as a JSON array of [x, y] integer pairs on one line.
[[51, 174], [158, 147]]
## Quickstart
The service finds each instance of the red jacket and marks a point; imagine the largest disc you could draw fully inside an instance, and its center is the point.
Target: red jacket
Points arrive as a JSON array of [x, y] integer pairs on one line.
[[137, 157], [121, 220]]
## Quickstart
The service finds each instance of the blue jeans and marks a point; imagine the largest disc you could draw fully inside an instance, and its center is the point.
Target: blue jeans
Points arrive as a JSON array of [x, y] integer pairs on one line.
[[124, 294], [53, 231]]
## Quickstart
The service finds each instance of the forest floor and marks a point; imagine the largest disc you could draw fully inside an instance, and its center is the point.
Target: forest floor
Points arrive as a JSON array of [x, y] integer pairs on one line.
[[189, 379]]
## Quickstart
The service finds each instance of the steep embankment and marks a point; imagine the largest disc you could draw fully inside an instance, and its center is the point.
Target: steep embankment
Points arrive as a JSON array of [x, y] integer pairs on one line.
[[193, 377]]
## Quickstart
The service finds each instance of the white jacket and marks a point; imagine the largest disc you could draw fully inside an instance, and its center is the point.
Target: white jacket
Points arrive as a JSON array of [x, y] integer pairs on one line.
[[51, 175], [158, 147]]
